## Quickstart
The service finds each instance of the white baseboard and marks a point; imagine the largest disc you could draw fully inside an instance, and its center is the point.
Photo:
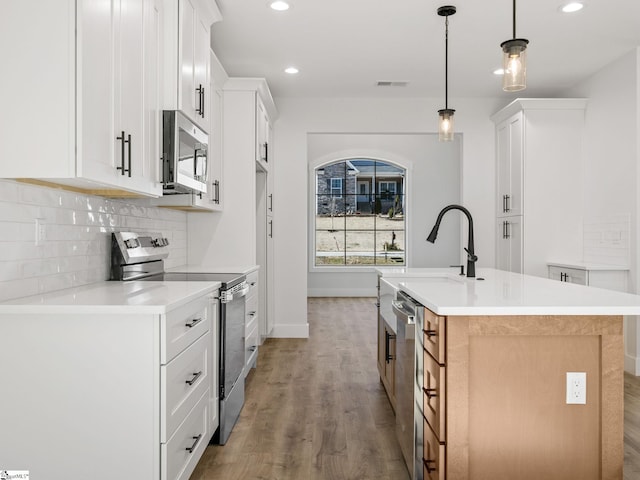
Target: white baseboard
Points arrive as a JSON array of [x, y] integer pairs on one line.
[[342, 292], [290, 331], [632, 365]]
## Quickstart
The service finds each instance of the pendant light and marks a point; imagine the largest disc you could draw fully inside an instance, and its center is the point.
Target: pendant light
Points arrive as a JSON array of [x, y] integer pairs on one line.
[[514, 60], [445, 124]]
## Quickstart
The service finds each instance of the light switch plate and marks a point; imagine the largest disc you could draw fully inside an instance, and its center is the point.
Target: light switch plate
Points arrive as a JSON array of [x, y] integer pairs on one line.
[[577, 388]]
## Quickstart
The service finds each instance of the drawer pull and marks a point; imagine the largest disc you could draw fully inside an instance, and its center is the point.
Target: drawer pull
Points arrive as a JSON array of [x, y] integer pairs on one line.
[[252, 314], [195, 443], [427, 464], [431, 333], [253, 349], [430, 392], [195, 377], [193, 323], [253, 284]]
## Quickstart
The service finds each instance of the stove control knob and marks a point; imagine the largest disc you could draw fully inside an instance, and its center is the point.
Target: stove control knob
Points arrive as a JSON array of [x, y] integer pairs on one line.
[[165, 241]]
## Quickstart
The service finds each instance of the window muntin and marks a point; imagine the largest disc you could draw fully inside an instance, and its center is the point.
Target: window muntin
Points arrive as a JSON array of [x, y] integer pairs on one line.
[[360, 219]]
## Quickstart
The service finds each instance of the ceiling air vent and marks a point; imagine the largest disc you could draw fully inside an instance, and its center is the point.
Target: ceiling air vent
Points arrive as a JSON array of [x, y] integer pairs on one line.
[[391, 84]]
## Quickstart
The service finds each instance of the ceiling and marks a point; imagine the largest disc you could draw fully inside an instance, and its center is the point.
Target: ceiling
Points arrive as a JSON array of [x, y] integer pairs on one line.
[[344, 47]]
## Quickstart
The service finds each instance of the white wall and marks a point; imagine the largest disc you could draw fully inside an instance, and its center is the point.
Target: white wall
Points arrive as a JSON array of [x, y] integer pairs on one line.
[[77, 245], [298, 117], [611, 188]]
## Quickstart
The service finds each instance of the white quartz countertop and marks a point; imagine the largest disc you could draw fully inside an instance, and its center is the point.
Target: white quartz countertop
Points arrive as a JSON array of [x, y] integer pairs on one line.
[[241, 269], [133, 297], [506, 293]]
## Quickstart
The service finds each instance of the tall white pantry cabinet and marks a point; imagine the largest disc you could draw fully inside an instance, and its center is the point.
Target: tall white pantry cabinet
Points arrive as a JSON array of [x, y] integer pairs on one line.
[[538, 184]]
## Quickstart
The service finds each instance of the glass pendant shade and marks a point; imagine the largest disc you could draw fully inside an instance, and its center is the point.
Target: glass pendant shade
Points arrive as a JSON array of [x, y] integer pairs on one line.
[[514, 63], [445, 125]]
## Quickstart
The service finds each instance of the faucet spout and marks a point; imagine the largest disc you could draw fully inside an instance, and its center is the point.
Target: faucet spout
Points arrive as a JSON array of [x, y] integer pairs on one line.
[[471, 256]]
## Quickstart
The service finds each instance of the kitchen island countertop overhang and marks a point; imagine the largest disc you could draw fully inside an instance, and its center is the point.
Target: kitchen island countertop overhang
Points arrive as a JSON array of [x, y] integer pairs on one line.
[[503, 293]]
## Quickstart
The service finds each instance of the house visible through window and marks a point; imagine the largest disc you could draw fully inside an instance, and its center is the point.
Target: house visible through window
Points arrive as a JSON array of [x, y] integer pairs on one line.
[[360, 213]]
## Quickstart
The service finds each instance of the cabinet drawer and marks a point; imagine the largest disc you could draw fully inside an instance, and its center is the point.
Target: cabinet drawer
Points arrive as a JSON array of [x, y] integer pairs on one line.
[[252, 342], [434, 395], [571, 275], [434, 335], [251, 309], [183, 381], [180, 327], [252, 280], [433, 456], [180, 455]]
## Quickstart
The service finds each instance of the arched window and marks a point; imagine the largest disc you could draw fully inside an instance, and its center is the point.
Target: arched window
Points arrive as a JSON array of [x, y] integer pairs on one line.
[[360, 213]]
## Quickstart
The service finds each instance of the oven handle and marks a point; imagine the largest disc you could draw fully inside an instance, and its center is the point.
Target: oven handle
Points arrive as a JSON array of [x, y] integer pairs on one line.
[[243, 292]]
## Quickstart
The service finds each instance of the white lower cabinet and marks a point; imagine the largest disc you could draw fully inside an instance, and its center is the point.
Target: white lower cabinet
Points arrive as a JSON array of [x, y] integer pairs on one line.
[[611, 277], [134, 390], [252, 321], [183, 450]]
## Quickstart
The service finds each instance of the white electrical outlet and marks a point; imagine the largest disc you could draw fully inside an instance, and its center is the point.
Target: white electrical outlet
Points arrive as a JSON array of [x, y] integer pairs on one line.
[[41, 231], [577, 388]]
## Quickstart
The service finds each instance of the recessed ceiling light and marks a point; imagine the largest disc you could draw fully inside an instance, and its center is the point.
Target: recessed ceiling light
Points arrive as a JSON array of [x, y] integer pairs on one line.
[[572, 7], [279, 5], [498, 71], [291, 70]]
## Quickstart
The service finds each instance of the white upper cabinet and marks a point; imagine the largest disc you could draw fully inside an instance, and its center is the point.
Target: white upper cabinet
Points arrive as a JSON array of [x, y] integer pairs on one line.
[[91, 60], [186, 57], [263, 132]]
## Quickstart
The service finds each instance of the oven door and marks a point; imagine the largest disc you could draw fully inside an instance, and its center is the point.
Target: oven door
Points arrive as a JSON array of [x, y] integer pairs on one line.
[[233, 344]]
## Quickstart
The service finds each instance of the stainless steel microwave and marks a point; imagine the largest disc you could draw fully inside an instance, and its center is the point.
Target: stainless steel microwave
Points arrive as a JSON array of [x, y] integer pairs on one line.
[[184, 154]]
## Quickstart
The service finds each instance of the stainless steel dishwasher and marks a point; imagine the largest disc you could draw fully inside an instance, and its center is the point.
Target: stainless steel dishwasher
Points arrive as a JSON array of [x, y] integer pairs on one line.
[[409, 381]]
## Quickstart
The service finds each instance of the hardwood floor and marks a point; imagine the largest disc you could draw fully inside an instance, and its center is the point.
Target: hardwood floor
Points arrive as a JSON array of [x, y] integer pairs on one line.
[[315, 408]]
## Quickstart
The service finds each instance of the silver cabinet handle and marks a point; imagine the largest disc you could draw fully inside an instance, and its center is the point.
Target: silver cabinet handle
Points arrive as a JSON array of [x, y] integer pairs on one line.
[[195, 377], [193, 323], [193, 447]]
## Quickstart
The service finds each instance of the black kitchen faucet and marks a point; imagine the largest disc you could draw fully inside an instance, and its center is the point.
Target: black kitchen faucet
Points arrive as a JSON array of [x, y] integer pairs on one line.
[[471, 256]]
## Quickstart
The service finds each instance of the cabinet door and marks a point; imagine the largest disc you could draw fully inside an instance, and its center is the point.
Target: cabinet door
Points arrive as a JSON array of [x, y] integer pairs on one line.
[[201, 74], [509, 244], [148, 169], [97, 138], [262, 132], [270, 278], [509, 152], [186, 98]]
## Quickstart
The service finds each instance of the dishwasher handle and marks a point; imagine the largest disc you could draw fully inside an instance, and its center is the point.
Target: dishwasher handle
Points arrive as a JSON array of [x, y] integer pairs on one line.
[[400, 311]]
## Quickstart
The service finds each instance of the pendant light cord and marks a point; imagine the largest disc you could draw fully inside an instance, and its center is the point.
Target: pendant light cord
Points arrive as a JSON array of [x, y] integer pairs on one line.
[[446, 63], [514, 18]]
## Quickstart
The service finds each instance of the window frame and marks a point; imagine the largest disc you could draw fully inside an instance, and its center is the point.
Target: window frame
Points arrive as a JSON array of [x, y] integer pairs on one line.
[[332, 188], [377, 251]]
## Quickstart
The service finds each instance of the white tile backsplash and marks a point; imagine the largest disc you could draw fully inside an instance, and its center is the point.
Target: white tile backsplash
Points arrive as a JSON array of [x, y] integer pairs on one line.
[[607, 239], [77, 245]]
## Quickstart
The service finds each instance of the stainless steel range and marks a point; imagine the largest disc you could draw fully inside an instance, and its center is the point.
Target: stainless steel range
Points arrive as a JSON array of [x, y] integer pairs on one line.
[[141, 257]]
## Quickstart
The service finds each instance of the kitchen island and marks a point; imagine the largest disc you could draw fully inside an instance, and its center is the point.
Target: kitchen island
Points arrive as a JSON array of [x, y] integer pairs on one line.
[[496, 355]]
